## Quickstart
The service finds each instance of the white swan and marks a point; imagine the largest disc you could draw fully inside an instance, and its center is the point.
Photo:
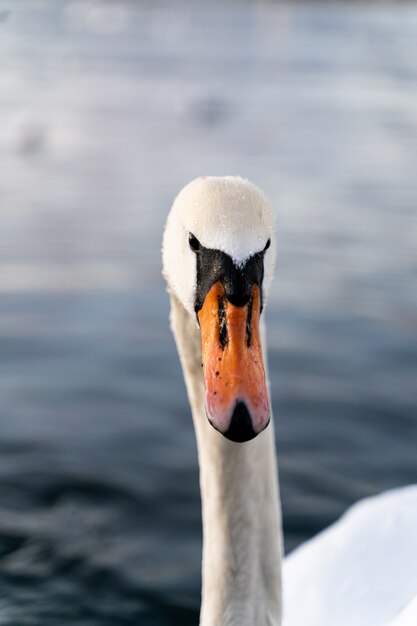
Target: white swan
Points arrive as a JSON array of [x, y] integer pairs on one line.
[[218, 260]]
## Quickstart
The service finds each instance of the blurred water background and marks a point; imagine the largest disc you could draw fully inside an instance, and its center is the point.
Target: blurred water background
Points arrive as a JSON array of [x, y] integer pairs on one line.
[[106, 110]]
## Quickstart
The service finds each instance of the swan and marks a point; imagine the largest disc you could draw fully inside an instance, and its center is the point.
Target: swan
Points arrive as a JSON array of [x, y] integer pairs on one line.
[[218, 261]]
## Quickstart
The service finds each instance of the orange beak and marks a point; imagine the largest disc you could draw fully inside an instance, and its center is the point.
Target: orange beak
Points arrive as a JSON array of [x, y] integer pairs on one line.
[[237, 402]]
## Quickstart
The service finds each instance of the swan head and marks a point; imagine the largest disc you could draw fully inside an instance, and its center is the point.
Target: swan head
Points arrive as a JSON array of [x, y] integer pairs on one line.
[[218, 260]]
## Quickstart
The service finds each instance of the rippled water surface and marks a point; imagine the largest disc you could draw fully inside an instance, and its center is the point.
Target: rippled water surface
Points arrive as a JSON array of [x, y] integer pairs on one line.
[[106, 110]]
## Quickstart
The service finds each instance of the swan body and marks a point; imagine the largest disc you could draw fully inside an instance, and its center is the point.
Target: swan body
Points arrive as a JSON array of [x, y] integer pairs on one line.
[[361, 571]]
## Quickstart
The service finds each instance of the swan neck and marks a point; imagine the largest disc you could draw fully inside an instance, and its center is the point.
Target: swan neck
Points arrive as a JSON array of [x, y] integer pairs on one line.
[[241, 566]]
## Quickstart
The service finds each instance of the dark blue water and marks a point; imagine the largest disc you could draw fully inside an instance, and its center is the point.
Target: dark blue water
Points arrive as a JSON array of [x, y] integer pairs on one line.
[[106, 110]]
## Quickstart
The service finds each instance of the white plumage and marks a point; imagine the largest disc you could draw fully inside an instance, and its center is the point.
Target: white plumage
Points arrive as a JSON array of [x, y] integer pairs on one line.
[[362, 571]]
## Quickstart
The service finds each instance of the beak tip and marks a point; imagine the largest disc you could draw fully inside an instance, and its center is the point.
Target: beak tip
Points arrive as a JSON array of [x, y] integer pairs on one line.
[[240, 428]]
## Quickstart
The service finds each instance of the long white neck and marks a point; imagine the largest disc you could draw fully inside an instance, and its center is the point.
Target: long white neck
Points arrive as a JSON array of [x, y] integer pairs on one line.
[[240, 504]]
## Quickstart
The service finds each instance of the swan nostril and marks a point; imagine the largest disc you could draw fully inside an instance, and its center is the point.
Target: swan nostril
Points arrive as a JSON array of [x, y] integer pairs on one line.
[[222, 323], [240, 428], [249, 322]]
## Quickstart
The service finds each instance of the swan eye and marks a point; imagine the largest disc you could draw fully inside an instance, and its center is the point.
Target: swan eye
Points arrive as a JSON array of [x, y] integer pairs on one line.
[[268, 243], [194, 243]]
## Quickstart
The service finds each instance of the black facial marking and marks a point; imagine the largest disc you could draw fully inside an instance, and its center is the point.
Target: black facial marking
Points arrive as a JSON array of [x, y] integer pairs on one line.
[[215, 265], [194, 243]]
